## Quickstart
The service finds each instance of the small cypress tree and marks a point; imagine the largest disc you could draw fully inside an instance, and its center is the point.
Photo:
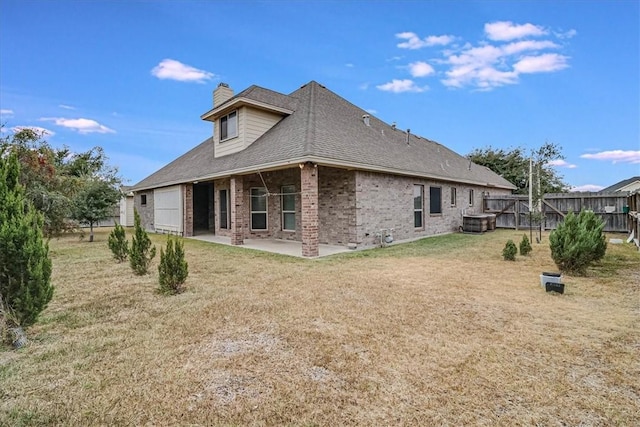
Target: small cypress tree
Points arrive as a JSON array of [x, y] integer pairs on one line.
[[118, 243], [577, 242], [510, 251], [525, 246], [25, 266], [141, 252], [173, 269]]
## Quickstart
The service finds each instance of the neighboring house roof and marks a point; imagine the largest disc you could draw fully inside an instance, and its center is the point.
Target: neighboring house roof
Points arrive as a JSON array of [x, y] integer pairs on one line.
[[328, 130], [620, 186]]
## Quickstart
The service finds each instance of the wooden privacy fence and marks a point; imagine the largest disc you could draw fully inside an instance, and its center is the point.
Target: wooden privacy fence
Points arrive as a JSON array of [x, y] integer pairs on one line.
[[512, 211]]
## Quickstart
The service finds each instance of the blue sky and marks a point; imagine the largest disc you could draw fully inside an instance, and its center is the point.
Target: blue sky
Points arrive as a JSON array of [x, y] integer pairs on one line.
[[135, 76]]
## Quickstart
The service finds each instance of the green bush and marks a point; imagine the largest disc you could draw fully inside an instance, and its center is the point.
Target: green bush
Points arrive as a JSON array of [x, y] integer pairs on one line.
[[141, 252], [25, 266], [525, 246], [578, 242], [118, 243], [173, 269], [510, 251]]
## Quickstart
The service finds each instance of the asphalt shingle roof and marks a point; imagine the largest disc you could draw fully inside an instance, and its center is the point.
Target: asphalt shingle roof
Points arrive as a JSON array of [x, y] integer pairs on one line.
[[615, 187], [329, 130]]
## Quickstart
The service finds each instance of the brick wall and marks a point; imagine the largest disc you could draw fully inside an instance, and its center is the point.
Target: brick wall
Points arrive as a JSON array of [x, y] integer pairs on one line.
[[352, 206], [274, 181], [386, 202], [187, 191], [236, 186], [309, 190], [337, 206], [146, 211]]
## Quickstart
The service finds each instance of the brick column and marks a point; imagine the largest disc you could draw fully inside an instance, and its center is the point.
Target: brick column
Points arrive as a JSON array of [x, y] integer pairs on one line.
[[309, 184], [236, 190], [188, 210]]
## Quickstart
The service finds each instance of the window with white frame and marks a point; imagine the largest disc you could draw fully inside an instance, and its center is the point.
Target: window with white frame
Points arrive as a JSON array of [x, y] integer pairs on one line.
[[229, 126], [471, 197], [454, 196], [289, 207], [418, 191], [435, 200], [259, 208]]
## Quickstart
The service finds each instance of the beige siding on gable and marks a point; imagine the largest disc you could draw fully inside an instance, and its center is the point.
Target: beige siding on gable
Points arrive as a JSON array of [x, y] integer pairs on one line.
[[252, 124], [257, 123], [233, 145]]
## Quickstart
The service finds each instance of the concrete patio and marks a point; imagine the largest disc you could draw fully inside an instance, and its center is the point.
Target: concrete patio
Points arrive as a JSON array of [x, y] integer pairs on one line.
[[283, 247]]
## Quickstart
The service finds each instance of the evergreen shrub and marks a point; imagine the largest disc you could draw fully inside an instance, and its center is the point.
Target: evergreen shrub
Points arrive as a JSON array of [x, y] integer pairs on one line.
[[118, 243], [141, 252], [510, 251], [173, 269], [525, 246], [578, 242]]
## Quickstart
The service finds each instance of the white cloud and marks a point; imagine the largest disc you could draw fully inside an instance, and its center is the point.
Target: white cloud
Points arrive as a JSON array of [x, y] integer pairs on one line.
[[528, 45], [421, 69], [399, 86], [587, 187], [37, 129], [80, 125], [484, 78], [6, 112], [349, 65], [175, 70], [371, 111], [415, 42], [508, 52], [561, 163], [566, 34], [507, 30], [615, 156], [545, 63], [66, 107], [488, 66], [439, 40]]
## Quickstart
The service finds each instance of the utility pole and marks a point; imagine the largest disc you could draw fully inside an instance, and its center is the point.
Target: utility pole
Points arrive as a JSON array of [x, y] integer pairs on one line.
[[530, 198]]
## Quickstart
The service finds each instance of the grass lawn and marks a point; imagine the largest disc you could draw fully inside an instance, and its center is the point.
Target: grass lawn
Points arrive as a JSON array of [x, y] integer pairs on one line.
[[437, 332]]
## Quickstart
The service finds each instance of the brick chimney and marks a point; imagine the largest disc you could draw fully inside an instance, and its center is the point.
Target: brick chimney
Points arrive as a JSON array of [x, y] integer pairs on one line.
[[222, 93]]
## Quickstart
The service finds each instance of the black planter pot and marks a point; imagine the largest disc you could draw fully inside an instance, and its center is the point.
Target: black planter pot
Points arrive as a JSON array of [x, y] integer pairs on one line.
[[554, 287]]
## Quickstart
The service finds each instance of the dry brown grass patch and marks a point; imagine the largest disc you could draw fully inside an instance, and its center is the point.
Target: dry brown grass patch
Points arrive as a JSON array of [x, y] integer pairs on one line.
[[440, 332]]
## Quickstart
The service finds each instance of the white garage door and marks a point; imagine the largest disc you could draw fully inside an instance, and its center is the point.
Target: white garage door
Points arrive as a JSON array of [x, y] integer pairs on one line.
[[167, 209]]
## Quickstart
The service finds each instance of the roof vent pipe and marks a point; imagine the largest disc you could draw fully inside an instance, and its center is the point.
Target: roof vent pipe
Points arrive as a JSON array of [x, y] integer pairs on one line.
[[365, 119], [393, 125], [408, 133]]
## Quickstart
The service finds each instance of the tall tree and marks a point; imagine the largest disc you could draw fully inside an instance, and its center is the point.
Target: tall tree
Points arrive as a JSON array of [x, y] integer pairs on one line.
[[52, 177], [93, 203], [25, 266], [513, 165]]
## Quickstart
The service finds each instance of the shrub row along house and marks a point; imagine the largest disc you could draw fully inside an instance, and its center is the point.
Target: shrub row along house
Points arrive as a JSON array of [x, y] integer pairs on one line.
[[311, 167]]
